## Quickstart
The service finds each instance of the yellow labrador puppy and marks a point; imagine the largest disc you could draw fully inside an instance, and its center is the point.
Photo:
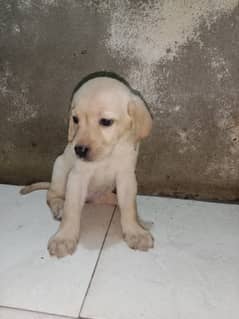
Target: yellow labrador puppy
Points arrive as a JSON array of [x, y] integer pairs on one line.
[[107, 122]]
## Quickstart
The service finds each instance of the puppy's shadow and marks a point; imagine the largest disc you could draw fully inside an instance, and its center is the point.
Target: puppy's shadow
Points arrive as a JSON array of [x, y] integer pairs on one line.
[[100, 223]]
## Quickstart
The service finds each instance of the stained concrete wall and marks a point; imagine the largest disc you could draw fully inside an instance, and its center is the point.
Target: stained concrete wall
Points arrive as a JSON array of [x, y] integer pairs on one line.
[[182, 56]]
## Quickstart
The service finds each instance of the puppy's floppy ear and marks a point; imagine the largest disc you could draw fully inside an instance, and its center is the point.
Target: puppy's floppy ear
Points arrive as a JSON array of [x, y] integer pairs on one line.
[[141, 118], [71, 128]]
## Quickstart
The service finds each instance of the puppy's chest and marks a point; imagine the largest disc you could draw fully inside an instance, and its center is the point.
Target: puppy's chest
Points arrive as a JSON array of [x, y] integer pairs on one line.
[[103, 178]]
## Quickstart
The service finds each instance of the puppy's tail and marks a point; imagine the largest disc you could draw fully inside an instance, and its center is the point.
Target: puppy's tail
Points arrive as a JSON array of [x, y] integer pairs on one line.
[[33, 187]]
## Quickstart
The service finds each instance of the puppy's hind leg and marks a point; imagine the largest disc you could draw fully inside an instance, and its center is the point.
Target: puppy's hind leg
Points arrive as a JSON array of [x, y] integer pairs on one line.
[[56, 192]]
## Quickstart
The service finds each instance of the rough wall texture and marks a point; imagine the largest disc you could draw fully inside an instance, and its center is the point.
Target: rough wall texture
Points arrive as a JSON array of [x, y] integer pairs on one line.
[[183, 57]]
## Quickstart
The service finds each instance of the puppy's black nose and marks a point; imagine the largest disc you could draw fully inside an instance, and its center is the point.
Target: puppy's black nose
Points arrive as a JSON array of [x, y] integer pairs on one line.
[[81, 150]]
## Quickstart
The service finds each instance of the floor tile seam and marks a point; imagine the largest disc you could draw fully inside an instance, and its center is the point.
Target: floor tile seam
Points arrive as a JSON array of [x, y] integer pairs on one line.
[[97, 261]]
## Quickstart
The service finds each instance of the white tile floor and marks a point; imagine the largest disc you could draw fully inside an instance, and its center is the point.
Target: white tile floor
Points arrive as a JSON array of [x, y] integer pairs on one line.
[[193, 271]]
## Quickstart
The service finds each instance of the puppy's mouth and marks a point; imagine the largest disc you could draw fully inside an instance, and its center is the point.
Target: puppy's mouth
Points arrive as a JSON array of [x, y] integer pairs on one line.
[[86, 159], [90, 158]]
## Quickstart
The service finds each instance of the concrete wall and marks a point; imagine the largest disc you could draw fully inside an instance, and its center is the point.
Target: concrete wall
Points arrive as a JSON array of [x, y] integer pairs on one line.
[[182, 56]]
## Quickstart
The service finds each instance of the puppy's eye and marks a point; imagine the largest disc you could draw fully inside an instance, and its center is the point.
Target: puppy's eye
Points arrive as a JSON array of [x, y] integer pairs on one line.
[[75, 119], [106, 122]]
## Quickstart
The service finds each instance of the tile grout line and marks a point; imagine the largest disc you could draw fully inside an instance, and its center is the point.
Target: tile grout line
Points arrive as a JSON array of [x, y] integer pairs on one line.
[[97, 262]]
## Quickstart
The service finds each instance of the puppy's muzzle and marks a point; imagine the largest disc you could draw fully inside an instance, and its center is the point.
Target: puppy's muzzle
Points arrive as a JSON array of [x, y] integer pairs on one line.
[[82, 151]]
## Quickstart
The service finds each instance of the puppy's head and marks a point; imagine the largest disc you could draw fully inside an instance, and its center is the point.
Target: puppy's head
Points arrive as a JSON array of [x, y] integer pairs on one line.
[[103, 111]]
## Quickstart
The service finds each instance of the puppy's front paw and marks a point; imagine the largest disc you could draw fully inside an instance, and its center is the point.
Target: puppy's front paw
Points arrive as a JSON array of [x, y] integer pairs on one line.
[[139, 239], [61, 244]]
